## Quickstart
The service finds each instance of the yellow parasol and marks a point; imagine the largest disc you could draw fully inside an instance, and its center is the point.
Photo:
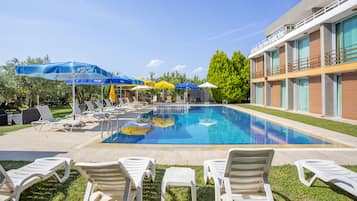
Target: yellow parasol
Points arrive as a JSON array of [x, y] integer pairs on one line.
[[164, 85], [148, 82], [112, 95]]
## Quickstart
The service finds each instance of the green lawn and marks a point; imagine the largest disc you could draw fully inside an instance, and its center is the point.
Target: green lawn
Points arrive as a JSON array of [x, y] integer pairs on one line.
[[323, 123], [58, 112], [5, 129], [283, 179]]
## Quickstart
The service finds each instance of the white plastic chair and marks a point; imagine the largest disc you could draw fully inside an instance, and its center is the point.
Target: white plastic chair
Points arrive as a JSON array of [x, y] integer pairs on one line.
[[14, 182], [328, 171], [117, 180], [242, 176]]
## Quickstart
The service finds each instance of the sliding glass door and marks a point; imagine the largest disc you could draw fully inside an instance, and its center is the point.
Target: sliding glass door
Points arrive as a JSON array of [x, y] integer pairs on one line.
[[259, 93], [283, 94], [346, 40], [303, 53], [339, 95], [303, 95]]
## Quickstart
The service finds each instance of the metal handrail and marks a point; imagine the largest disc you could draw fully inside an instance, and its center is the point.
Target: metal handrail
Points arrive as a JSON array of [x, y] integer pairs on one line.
[[258, 74], [342, 55], [304, 64], [334, 4]]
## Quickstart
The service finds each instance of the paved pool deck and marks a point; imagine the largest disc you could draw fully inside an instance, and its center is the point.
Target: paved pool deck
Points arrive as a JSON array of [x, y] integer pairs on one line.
[[84, 145]]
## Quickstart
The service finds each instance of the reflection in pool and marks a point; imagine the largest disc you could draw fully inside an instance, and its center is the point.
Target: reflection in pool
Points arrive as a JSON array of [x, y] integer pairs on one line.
[[214, 125]]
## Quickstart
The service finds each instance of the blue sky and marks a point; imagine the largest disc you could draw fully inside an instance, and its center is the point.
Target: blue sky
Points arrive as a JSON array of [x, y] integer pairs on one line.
[[135, 37]]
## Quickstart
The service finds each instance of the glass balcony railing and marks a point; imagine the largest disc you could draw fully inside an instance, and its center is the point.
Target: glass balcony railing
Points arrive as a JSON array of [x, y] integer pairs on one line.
[[340, 56]]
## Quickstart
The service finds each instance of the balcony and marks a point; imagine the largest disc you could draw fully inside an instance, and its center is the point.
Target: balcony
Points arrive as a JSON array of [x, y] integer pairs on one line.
[[275, 71], [281, 32], [340, 56], [258, 74], [304, 64]]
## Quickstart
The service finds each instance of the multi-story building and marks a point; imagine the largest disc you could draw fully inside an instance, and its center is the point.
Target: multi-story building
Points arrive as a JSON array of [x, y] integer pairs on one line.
[[308, 61]]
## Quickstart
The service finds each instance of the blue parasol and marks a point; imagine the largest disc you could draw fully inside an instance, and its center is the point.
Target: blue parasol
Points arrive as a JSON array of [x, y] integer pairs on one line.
[[187, 85], [63, 71]]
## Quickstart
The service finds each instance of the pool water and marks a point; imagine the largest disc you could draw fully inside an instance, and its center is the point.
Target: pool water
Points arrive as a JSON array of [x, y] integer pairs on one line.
[[214, 125]]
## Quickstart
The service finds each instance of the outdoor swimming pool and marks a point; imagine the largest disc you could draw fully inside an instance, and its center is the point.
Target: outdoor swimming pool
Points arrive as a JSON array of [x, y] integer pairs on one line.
[[216, 125]]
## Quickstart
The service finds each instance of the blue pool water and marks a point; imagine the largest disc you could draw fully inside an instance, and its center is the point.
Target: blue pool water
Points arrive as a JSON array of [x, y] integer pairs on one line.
[[214, 125]]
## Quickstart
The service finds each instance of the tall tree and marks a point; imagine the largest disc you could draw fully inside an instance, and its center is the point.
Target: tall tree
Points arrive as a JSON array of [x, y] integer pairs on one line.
[[218, 74], [230, 75]]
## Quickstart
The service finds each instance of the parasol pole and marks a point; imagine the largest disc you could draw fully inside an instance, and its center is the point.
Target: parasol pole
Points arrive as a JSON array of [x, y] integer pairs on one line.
[[73, 96]]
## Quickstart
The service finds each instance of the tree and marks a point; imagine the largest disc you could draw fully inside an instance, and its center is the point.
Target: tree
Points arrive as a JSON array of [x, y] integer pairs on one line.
[[231, 76], [241, 68]]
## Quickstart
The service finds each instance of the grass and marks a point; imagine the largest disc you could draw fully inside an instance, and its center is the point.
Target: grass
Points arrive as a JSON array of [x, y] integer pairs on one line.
[[61, 112], [58, 112], [323, 123], [284, 182], [5, 129]]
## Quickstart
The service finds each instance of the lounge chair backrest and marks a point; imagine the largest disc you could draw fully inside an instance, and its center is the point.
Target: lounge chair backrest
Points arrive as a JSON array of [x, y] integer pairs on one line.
[[45, 112], [108, 177], [90, 105], [108, 103], [178, 99], [99, 104], [127, 100], [247, 168], [154, 99], [6, 183], [121, 102], [77, 109]]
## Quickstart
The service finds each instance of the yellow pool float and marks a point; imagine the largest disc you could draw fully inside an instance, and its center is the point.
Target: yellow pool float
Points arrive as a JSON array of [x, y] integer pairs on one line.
[[163, 122], [133, 128]]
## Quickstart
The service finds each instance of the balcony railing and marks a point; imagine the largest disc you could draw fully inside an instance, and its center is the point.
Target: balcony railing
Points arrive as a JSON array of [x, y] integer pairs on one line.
[[276, 70], [282, 32], [304, 64], [258, 74], [343, 55]]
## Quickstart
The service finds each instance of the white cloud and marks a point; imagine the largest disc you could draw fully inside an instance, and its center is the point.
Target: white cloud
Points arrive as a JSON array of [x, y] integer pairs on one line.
[[230, 32], [198, 70], [154, 63], [179, 67]]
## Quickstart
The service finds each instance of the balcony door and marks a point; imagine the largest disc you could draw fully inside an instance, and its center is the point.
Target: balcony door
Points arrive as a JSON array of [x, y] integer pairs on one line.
[[303, 53], [275, 62], [346, 43]]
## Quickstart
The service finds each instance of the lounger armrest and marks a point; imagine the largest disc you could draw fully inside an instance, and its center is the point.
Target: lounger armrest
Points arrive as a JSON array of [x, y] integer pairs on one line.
[[267, 189], [40, 175], [227, 188]]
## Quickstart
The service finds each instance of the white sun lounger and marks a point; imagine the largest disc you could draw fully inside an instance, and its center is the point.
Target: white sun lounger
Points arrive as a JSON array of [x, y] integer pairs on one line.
[[47, 118], [14, 182], [117, 180], [328, 171], [242, 176]]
